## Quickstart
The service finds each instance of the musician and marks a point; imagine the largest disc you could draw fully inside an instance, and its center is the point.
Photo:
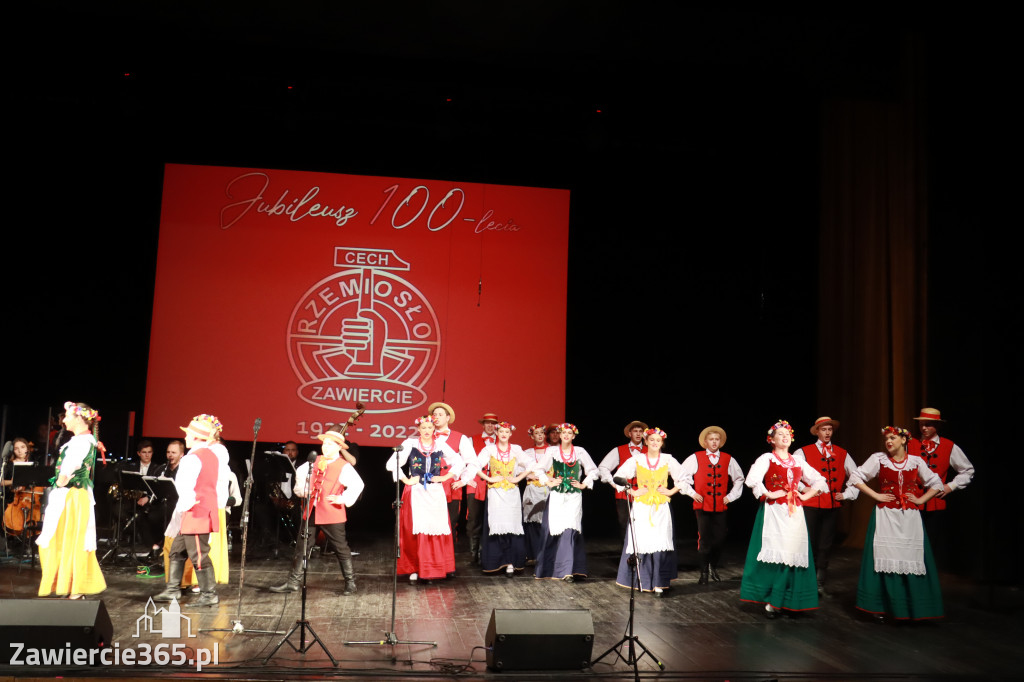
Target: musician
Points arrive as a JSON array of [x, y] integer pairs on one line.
[[332, 484], [195, 515], [149, 526], [20, 503]]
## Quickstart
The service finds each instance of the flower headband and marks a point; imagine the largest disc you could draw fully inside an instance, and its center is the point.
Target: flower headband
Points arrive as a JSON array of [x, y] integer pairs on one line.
[[568, 427], [655, 431], [898, 430], [420, 420], [505, 425], [86, 413], [534, 427], [781, 424], [206, 426]]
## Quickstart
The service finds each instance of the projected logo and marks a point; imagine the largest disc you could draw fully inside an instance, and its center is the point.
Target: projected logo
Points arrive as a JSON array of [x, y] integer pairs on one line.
[[364, 334]]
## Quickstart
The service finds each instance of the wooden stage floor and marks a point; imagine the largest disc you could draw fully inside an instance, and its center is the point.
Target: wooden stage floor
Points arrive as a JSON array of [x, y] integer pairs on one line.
[[702, 633]]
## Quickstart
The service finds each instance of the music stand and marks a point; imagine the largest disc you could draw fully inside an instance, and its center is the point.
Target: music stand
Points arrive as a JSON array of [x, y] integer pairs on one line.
[[134, 481], [30, 475]]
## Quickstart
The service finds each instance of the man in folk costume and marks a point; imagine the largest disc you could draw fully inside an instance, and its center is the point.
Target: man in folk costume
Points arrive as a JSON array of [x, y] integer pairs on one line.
[[477, 503], [444, 415], [822, 512], [706, 475], [941, 455], [332, 484], [195, 515], [615, 458]]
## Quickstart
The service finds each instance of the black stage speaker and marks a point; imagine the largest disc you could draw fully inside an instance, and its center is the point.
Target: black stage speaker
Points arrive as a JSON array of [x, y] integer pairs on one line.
[[53, 624], [539, 639]]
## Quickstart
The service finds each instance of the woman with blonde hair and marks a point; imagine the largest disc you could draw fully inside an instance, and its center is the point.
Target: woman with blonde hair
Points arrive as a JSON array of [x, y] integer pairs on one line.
[[67, 543]]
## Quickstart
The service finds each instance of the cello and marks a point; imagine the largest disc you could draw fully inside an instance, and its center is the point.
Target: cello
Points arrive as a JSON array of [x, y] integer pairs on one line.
[[27, 504]]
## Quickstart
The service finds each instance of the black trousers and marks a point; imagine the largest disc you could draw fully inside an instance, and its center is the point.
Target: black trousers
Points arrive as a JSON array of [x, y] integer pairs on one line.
[[622, 512], [821, 527], [333, 532], [711, 531], [475, 517]]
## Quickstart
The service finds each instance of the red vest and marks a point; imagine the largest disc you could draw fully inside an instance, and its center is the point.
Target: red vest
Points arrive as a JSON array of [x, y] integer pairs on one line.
[[893, 482], [777, 478], [624, 455], [481, 484], [711, 481], [937, 461], [202, 517], [833, 469], [453, 440], [324, 483]]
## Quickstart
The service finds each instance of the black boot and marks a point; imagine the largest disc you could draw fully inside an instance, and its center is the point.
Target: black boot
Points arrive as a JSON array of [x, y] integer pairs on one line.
[[820, 574], [294, 579], [474, 549], [207, 587], [173, 589], [350, 575], [714, 575], [703, 575]]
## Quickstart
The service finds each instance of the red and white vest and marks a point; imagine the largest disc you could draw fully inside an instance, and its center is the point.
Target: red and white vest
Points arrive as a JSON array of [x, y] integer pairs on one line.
[[202, 517], [624, 455], [324, 482], [833, 469], [938, 461], [711, 481]]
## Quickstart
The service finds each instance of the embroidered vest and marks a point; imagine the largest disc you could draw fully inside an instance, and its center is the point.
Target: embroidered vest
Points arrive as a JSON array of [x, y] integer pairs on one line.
[[899, 482], [937, 461], [82, 476], [832, 468], [783, 478], [325, 482], [567, 472], [499, 468], [652, 479], [711, 481]]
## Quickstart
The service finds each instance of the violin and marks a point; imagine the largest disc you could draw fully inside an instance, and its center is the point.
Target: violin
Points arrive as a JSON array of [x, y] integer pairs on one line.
[[27, 504]]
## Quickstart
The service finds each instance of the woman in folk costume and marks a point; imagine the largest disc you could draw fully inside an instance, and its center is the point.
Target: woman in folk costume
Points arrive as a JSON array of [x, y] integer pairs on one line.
[[898, 577], [503, 545], [652, 518], [535, 494], [779, 570], [425, 537], [67, 542], [569, 471]]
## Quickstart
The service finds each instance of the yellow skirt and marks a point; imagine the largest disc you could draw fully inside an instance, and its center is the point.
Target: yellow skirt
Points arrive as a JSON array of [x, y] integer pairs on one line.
[[67, 568], [218, 555]]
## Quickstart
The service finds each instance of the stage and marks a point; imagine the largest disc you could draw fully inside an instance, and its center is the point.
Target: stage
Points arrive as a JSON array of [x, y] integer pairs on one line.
[[697, 632]]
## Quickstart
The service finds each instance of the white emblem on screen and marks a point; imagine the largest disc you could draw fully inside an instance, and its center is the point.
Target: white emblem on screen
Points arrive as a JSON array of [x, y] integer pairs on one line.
[[364, 334]]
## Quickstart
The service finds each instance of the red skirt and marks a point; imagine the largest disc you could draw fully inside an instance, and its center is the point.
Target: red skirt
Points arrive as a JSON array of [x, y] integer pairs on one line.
[[430, 556]]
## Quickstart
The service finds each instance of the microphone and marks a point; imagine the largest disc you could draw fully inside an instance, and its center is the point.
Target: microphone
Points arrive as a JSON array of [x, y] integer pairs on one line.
[[312, 457], [619, 480]]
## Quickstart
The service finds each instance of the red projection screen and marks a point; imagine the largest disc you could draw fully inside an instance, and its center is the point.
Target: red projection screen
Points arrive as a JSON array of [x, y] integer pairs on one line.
[[290, 296]]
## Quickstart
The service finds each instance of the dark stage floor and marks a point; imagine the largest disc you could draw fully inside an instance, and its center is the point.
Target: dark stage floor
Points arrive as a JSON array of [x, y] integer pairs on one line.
[[698, 632]]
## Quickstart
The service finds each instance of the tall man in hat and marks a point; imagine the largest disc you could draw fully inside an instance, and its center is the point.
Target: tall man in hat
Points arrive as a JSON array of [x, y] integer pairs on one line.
[[706, 475], [195, 515], [941, 455], [477, 503], [331, 485], [615, 458], [443, 415], [822, 512]]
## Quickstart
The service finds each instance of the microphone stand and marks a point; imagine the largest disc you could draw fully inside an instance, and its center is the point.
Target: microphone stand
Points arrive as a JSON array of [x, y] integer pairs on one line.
[[237, 627], [302, 624], [634, 641], [390, 638]]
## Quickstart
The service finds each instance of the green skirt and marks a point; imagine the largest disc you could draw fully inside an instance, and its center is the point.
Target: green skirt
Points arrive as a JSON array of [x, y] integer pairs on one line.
[[784, 587], [900, 596]]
